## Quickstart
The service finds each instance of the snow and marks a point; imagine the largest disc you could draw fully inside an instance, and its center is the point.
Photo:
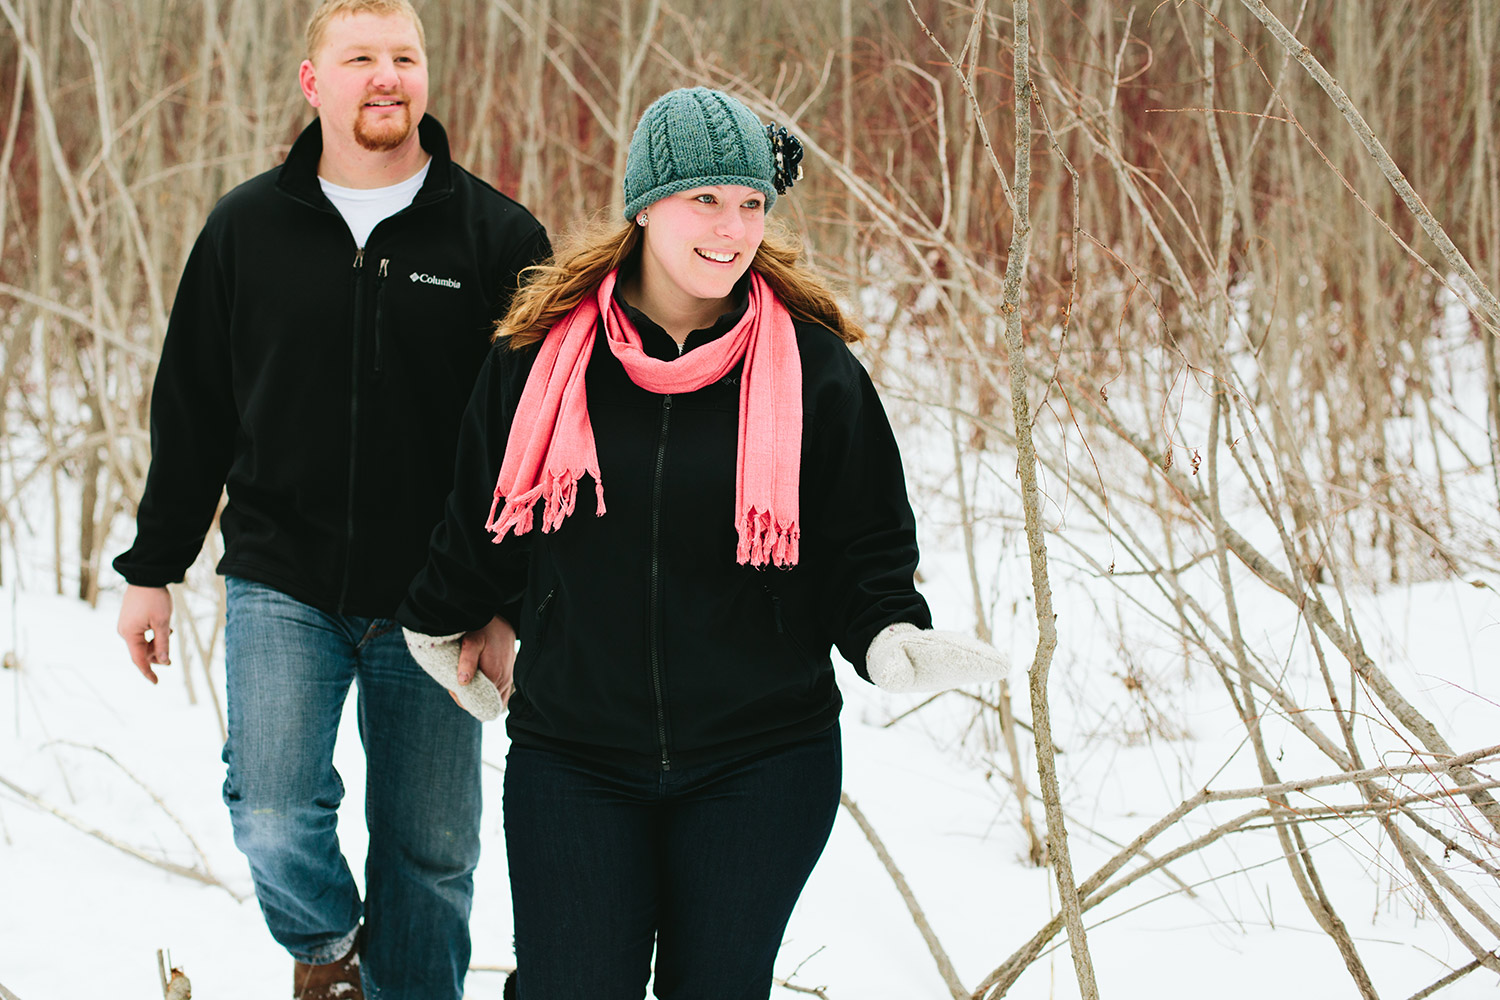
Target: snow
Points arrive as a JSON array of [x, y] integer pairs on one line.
[[76, 911]]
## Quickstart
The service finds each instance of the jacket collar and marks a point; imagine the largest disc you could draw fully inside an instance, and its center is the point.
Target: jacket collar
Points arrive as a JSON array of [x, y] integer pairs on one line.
[[658, 343], [298, 175]]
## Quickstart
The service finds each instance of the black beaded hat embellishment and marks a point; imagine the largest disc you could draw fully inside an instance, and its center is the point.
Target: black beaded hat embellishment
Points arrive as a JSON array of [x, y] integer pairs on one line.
[[786, 151]]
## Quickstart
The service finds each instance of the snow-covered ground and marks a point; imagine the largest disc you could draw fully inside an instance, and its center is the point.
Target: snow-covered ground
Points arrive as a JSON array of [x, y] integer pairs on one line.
[[81, 732]]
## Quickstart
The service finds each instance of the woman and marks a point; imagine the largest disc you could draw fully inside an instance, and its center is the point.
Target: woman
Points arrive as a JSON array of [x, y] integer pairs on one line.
[[675, 766]]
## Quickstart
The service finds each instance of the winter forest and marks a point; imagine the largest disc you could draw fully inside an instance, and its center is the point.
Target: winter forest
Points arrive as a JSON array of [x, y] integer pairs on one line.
[[1185, 312]]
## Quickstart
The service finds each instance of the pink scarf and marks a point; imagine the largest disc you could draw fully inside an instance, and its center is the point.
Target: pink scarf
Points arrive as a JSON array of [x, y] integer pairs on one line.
[[551, 443]]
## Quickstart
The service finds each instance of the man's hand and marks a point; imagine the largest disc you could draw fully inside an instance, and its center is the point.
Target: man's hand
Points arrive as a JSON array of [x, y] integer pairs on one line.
[[465, 662], [492, 650], [145, 625]]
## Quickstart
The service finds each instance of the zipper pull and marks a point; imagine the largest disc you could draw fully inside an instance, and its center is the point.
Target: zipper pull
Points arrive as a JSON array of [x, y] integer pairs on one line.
[[359, 258], [383, 263]]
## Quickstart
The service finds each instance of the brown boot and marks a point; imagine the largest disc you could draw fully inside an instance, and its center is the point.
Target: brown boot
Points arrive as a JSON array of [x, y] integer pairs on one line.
[[336, 980]]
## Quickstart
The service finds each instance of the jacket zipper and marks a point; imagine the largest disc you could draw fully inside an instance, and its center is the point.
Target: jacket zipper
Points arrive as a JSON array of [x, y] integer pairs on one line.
[[359, 301], [379, 298], [655, 592]]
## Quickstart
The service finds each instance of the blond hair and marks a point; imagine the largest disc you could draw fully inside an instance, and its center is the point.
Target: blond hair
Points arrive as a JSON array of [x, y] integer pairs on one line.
[[317, 24], [587, 253]]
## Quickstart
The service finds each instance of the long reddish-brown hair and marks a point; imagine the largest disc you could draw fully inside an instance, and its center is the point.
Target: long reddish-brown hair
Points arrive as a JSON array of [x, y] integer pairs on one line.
[[585, 254]]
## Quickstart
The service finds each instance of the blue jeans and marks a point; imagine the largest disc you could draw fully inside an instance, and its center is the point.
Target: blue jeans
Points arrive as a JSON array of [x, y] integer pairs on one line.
[[289, 667], [705, 863]]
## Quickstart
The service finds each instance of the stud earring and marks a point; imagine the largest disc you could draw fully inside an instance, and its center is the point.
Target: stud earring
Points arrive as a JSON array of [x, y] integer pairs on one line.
[[641, 219]]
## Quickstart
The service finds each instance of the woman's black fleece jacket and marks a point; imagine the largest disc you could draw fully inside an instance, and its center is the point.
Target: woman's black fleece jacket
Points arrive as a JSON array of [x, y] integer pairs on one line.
[[642, 640], [324, 383]]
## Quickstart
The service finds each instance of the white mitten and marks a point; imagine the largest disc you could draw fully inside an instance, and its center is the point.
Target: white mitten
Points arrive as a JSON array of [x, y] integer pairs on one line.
[[903, 657], [438, 655]]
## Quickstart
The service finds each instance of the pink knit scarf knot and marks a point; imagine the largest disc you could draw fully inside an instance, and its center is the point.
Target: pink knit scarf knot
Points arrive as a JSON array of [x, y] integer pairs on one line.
[[551, 442]]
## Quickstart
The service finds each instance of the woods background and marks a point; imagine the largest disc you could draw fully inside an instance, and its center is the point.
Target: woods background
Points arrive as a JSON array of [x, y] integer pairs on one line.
[[1234, 369]]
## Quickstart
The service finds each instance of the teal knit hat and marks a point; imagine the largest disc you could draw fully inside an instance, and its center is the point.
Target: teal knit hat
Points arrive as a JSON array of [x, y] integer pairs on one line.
[[695, 137]]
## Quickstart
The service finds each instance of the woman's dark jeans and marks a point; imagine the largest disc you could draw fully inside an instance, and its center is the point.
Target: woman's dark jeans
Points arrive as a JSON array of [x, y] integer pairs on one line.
[[705, 863]]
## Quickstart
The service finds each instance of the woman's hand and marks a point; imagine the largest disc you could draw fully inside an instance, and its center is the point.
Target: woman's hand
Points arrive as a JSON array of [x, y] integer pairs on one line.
[[903, 657]]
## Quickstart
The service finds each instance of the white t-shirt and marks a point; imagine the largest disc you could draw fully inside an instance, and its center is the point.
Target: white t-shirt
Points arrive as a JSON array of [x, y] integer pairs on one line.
[[365, 208]]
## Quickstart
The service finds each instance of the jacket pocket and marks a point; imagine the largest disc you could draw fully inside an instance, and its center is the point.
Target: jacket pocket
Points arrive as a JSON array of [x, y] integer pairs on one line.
[[779, 622], [532, 632], [544, 613]]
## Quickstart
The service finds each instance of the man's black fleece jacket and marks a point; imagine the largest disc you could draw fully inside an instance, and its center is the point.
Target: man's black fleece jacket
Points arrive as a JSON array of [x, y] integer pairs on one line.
[[323, 383], [642, 640]]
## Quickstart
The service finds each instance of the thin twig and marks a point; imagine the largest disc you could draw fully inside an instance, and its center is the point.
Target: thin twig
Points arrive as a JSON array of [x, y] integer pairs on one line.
[[197, 875], [1449, 979], [945, 966], [815, 991], [160, 803]]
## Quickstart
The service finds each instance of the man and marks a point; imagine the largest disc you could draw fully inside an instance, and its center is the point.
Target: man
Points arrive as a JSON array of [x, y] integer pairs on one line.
[[327, 330]]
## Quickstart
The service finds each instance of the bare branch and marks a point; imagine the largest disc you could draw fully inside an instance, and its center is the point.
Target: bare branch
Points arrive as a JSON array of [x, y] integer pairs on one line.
[[196, 874], [945, 966], [1435, 232]]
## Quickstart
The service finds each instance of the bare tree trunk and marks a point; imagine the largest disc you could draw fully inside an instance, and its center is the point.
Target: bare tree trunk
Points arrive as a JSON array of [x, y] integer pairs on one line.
[[634, 44], [533, 126], [1486, 191], [1041, 713], [852, 263], [1492, 400], [49, 252], [88, 586]]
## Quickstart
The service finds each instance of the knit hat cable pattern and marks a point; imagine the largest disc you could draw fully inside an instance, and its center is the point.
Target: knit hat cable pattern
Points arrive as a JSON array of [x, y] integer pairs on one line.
[[696, 137]]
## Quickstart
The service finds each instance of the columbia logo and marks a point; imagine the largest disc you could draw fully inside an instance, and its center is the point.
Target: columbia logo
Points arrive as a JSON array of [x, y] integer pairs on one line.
[[430, 279]]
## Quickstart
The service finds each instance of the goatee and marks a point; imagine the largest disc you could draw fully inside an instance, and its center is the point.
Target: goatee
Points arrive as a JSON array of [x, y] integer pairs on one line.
[[383, 136]]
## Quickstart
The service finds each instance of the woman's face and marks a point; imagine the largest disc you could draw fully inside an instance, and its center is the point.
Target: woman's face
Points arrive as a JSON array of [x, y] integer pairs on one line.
[[699, 242]]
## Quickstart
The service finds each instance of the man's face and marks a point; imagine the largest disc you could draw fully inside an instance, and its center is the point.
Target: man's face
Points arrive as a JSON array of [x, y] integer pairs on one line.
[[369, 79]]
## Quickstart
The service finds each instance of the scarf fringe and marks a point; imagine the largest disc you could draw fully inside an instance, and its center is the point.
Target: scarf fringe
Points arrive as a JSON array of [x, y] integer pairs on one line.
[[559, 495], [763, 542]]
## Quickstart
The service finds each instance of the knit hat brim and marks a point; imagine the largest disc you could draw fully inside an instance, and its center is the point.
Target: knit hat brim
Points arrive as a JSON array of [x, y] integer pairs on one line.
[[648, 198]]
